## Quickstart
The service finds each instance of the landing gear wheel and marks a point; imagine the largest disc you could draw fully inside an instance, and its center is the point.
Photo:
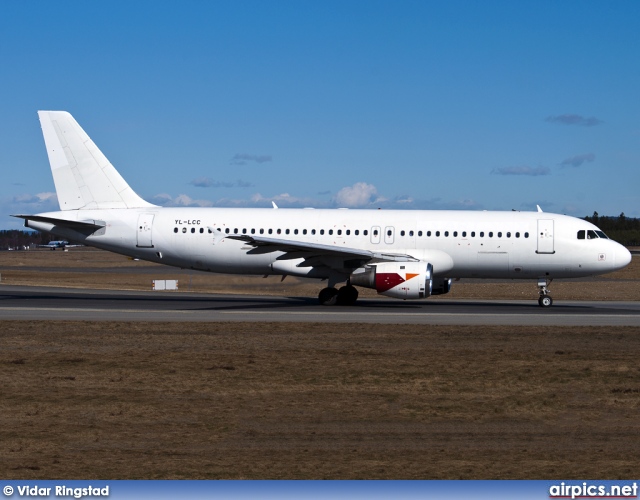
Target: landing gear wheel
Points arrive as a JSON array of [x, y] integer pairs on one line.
[[347, 295], [545, 301], [328, 296]]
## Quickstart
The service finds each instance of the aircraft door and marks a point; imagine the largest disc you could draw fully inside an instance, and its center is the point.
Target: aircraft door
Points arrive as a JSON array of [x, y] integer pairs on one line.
[[375, 234], [389, 234], [145, 226], [545, 236]]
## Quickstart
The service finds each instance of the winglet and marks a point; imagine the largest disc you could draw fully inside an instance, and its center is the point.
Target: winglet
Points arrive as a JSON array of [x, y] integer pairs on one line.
[[538, 207], [274, 205]]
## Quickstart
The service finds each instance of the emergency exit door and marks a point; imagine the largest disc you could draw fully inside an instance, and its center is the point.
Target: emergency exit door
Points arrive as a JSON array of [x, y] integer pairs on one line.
[[145, 229], [545, 236]]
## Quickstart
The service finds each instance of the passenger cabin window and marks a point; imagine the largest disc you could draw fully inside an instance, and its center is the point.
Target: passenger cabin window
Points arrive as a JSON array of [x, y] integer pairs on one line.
[[366, 232], [455, 234], [193, 229], [401, 233], [375, 232], [330, 231], [175, 229]]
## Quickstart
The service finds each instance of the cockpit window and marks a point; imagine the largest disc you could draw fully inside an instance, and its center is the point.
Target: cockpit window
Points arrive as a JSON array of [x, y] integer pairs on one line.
[[602, 235], [581, 234], [591, 235]]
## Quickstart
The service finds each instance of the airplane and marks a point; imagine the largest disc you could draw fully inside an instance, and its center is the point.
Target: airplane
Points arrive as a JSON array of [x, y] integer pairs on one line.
[[55, 244], [58, 244], [404, 254]]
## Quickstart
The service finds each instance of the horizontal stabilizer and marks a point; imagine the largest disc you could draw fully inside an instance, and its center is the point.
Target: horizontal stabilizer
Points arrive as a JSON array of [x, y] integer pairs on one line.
[[71, 224]]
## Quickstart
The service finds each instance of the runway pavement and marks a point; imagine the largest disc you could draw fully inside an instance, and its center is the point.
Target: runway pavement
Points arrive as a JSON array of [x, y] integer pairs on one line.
[[43, 303]]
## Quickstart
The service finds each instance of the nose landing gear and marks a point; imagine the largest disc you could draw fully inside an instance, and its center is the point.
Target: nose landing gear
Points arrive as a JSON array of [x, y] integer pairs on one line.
[[545, 299]]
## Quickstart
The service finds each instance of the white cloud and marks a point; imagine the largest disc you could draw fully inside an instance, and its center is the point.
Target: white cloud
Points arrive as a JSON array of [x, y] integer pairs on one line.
[[522, 170], [360, 194], [243, 158], [209, 182], [46, 197], [570, 119], [182, 200], [578, 160]]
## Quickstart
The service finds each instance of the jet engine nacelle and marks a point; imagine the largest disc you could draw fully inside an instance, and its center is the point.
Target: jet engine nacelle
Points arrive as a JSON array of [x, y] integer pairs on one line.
[[441, 286], [400, 280]]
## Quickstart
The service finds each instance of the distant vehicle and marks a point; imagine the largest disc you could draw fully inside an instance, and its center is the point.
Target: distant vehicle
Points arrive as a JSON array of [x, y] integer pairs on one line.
[[58, 244]]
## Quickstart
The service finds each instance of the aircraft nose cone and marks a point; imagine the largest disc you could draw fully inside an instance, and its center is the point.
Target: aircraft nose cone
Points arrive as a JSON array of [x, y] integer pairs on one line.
[[623, 257]]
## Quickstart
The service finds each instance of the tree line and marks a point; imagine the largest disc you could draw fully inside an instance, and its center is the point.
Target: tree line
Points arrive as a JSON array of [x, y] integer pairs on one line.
[[16, 239], [623, 229]]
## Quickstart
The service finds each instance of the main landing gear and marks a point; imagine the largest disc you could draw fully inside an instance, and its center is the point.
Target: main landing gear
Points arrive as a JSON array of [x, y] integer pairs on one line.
[[545, 299], [346, 296]]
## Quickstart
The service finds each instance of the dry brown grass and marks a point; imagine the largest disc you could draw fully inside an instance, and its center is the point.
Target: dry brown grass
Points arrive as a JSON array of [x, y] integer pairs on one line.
[[91, 268], [243, 400]]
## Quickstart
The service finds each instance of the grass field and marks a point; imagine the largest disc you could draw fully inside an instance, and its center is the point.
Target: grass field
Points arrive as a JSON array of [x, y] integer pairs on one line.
[[308, 400], [90, 268], [242, 400]]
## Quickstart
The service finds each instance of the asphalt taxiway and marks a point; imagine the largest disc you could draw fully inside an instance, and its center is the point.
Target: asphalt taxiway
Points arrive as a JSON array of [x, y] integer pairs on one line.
[[44, 303]]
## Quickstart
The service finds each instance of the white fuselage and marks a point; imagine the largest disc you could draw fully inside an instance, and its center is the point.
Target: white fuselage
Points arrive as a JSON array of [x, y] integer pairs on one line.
[[459, 244]]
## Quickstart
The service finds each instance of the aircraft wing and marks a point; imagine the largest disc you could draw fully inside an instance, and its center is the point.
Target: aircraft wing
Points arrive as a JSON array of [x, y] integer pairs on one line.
[[317, 254]]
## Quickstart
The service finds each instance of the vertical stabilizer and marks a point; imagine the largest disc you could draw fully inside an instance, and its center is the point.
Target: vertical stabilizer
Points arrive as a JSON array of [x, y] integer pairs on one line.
[[83, 176]]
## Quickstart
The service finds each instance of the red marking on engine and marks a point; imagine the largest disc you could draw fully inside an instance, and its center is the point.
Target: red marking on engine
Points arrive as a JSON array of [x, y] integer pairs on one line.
[[386, 281]]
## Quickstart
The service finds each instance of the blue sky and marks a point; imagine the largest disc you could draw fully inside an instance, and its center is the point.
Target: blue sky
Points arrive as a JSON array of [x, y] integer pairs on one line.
[[398, 104]]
